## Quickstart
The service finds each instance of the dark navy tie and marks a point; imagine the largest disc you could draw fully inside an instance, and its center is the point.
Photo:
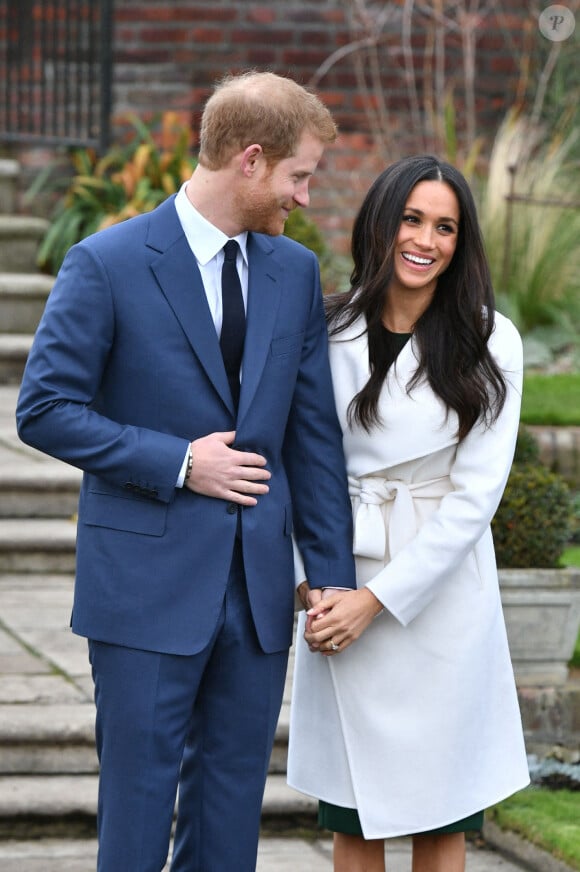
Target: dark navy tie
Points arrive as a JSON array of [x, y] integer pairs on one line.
[[234, 319]]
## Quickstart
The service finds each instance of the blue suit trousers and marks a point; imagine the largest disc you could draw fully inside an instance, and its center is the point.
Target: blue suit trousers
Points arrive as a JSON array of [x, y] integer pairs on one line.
[[204, 722]]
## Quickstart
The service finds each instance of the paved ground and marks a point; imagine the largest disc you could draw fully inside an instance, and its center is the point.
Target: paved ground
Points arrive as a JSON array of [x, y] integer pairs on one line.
[[44, 670], [275, 855]]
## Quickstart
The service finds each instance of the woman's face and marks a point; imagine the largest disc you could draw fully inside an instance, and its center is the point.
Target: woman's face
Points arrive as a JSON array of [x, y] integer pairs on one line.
[[427, 236]]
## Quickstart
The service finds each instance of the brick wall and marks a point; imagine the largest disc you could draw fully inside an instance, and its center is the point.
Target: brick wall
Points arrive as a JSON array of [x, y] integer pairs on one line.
[[167, 54]]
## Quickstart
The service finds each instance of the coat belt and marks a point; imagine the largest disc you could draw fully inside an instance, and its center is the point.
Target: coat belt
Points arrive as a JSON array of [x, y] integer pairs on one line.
[[369, 493]]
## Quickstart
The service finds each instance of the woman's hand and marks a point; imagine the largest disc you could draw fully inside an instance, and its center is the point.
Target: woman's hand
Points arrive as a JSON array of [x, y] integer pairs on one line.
[[338, 620]]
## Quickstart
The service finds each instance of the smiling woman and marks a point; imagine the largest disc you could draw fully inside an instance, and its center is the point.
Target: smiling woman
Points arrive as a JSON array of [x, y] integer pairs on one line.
[[427, 383], [425, 245]]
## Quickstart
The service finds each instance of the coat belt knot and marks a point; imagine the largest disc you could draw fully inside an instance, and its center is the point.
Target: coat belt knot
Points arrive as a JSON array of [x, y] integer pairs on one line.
[[369, 493]]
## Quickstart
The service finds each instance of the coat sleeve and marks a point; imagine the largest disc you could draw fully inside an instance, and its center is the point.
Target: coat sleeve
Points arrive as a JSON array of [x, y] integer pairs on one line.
[[57, 410], [478, 475], [314, 460]]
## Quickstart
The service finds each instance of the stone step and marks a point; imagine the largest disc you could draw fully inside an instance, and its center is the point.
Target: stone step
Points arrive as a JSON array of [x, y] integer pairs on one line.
[[37, 545], [41, 739], [47, 740], [33, 490], [14, 349], [59, 739], [49, 771], [43, 801], [20, 236], [9, 173], [22, 300]]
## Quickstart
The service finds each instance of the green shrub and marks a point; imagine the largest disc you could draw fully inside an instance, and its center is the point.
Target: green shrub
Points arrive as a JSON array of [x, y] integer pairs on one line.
[[129, 179], [334, 269], [575, 520], [304, 230], [532, 524], [527, 448]]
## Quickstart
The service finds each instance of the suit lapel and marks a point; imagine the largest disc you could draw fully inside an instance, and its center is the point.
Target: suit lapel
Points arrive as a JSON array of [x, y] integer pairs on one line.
[[178, 276], [180, 281], [264, 289]]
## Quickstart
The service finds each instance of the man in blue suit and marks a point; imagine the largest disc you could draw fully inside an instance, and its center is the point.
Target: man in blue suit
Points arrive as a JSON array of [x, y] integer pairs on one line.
[[185, 581]]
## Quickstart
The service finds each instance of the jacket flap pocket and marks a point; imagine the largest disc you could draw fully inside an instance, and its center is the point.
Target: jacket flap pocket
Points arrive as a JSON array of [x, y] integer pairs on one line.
[[128, 514]]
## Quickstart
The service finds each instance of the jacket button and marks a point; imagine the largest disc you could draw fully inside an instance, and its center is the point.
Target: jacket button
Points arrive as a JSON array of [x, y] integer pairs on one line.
[[232, 508]]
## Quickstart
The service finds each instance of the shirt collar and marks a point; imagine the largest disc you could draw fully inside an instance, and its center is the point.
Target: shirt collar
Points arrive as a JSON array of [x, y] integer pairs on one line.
[[203, 237]]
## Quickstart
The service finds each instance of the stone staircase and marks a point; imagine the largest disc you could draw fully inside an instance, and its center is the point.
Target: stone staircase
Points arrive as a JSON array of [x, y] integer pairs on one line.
[[34, 533], [48, 765], [23, 291]]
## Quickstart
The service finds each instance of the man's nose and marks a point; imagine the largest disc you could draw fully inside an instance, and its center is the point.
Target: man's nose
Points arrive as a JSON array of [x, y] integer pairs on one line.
[[302, 195]]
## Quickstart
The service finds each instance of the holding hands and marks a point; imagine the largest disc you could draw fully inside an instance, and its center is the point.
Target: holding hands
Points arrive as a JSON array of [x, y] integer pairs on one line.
[[339, 618]]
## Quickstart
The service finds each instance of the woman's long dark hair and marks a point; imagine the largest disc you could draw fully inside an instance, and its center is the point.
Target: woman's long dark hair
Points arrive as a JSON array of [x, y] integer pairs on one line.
[[453, 332]]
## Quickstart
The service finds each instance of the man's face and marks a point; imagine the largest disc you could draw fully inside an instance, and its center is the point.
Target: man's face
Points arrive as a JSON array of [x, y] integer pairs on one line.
[[276, 189]]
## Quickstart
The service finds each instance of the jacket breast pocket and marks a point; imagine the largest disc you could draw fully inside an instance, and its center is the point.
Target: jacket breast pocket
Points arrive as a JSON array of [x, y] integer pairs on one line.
[[128, 514], [284, 346]]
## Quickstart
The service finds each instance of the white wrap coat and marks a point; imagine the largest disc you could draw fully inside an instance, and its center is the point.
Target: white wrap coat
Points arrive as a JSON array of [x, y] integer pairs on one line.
[[417, 723]]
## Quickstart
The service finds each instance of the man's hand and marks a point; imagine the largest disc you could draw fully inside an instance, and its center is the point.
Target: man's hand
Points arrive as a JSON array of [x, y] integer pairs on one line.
[[338, 620], [309, 597], [223, 472]]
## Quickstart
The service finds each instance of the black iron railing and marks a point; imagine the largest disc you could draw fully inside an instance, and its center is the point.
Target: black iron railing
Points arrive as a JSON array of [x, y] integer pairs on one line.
[[55, 71]]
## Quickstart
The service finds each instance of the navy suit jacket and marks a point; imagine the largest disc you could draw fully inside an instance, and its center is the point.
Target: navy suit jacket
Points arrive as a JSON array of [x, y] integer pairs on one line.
[[125, 370]]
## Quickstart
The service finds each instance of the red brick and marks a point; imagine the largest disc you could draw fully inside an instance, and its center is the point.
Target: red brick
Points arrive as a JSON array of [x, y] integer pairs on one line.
[[304, 58], [205, 12], [505, 64], [332, 98], [278, 36], [262, 57], [209, 35], [163, 35], [333, 16], [144, 56], [324, 38], [261, 15]]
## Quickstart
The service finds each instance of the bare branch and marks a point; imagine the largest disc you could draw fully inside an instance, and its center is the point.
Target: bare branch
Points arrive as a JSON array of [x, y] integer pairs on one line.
[[544, 81], [411, 79], [339, 54]]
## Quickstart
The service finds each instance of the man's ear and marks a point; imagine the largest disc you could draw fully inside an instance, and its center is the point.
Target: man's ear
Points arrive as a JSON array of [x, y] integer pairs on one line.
[[251, 158]]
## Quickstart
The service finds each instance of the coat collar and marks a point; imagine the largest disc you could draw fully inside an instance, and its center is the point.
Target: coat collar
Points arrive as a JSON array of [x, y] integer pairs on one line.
[[413, 425], [178, 276], [356, 335]]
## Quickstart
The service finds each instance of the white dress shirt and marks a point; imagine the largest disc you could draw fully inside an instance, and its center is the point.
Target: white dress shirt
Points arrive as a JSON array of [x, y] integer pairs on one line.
[[206, 242]]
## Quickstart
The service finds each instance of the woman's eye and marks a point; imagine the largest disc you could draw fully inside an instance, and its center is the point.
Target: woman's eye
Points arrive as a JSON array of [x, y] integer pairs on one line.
[[446, 228], [410, 219]]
